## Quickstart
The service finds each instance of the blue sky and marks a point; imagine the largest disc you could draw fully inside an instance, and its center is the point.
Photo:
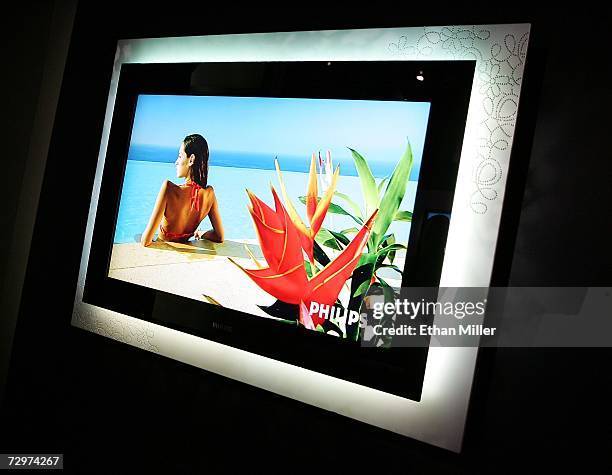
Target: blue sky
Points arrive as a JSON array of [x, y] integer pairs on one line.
[[279, 126]]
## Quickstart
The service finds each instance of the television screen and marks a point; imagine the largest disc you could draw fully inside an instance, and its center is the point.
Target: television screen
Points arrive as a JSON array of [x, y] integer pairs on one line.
[[269, 205], [259, 205]]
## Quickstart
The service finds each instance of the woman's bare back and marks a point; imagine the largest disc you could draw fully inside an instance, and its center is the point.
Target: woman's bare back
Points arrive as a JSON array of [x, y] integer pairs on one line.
[[179, 218]]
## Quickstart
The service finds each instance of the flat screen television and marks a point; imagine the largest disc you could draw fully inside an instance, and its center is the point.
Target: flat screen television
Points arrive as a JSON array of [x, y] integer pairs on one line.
[[329, 179]]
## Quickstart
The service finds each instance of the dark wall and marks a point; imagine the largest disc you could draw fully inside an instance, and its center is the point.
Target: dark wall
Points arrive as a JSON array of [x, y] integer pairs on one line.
[[101, 402], [26, 30]]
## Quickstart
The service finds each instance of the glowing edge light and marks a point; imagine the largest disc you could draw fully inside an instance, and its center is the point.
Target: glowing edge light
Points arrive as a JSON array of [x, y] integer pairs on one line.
[[439, 418]]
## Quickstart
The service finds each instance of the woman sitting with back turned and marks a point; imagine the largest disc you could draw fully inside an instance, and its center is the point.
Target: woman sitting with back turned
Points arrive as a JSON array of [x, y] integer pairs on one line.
[[180, 209]]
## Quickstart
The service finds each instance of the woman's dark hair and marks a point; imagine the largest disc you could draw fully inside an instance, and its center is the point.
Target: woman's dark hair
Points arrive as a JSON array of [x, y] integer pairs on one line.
[[196, 144]]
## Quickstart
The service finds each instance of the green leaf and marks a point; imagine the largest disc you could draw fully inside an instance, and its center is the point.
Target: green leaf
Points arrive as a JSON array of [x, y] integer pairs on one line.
[[390, 247], [325, 238], [354, 206], [362, 275], [403, 216], [388, 291], [350, 231], [332, 239], [390, 202], [363, 288], [340, 237], [319, 255], [368, 184], [387, 251], [336, 209], [382, 184], [367, 258], [389, 239], [308, 268]]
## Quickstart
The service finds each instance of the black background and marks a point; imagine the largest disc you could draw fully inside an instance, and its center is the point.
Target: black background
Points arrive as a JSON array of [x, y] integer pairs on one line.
[[104, 403]]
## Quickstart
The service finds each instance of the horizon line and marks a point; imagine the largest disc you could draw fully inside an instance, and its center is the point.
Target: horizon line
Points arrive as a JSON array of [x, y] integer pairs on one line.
[[261, 168]]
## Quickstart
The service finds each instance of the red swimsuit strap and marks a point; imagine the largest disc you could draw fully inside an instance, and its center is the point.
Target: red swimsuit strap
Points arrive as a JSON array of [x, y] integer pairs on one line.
[[195, 202]]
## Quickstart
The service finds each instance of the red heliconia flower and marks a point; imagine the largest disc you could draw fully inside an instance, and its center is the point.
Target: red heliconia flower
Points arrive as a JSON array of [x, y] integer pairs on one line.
[[315, 209], [285, 277]]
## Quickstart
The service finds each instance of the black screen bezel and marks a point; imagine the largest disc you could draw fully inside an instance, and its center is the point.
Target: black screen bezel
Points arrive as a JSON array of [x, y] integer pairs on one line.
[[447, 86]]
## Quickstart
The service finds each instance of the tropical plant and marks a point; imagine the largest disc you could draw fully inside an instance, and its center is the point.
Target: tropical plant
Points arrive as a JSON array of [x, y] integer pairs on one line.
[[381, 247]]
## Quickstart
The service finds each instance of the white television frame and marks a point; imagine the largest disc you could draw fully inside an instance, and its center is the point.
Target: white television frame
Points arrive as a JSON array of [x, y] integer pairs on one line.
[[500, 54]]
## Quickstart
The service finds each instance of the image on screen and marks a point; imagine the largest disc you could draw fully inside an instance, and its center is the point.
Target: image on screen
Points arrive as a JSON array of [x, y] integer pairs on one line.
[[281, 208]]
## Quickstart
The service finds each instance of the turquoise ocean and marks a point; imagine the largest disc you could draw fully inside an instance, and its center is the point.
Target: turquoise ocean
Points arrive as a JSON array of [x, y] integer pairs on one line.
[[230, 173]]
